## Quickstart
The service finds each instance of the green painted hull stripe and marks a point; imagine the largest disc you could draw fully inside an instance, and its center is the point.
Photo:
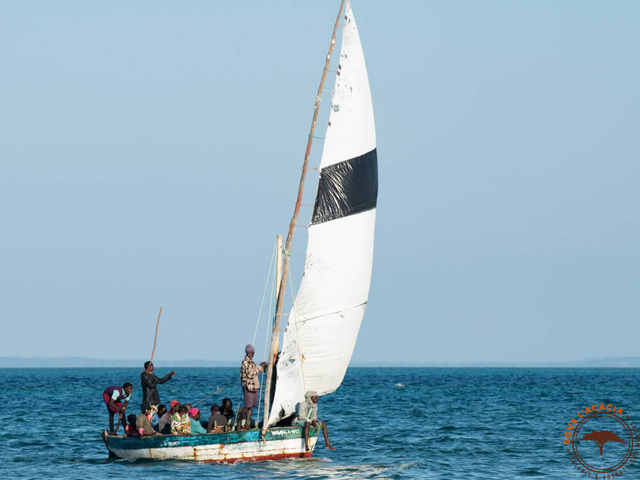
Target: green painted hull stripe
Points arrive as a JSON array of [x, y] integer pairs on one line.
[[168, 441]]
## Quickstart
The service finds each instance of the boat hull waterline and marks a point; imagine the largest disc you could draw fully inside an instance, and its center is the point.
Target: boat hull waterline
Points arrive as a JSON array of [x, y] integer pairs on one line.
[[230, 447]]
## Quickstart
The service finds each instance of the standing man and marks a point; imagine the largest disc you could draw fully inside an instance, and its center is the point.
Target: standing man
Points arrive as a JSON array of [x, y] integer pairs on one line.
[[150, 383], [113, 397], [308, 416], [250, 385]]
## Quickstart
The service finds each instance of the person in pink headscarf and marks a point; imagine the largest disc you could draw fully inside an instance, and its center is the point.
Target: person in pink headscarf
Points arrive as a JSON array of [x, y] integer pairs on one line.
[[196, 426], [250, 385]]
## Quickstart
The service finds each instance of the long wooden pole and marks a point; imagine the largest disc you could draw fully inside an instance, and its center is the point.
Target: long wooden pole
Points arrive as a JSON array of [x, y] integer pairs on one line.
[[280, 241], [155, 339], [120, 419], [275, 336]]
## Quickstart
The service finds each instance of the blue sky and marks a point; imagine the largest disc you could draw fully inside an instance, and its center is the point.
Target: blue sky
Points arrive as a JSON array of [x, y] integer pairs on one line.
[[150, 152]]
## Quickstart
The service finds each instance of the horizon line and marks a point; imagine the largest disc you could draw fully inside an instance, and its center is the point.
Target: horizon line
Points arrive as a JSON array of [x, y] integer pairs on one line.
[[90, 362]]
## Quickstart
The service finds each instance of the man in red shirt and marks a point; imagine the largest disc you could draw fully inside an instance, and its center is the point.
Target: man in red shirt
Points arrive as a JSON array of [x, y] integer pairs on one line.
[[113, 397]]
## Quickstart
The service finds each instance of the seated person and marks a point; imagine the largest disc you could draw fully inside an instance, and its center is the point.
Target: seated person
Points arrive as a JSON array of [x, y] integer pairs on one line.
[[131, 430], [227, 410], [308, 416], [143, 422], [156, 415], [217, 421], [196, 427], [180, 422], [164, 425]]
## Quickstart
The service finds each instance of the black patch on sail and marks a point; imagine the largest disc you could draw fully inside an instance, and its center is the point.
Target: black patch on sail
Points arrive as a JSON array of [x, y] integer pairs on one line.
[[346, 188]]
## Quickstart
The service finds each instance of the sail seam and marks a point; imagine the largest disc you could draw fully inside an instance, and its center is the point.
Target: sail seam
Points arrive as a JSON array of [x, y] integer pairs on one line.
[[302, 322]]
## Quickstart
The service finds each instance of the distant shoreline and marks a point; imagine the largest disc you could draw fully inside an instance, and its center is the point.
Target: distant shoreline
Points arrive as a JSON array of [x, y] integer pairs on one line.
[[82, 362]]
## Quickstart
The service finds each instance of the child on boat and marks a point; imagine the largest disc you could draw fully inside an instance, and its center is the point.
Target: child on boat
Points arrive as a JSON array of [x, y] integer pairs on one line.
[[131, 429]]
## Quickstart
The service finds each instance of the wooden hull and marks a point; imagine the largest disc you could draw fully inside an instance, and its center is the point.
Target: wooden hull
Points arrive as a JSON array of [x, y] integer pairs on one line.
[[230, 447]]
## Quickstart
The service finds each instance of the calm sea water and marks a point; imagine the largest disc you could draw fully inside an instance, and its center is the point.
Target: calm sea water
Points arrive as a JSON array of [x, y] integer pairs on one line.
[[385, 423]]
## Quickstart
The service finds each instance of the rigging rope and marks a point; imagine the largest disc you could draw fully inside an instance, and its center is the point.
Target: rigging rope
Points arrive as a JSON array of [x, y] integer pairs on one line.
[[218, 390], [266, 337], [266, 284], [269, 279]]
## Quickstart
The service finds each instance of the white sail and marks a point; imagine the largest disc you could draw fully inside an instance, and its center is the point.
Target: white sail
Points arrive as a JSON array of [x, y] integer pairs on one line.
[[325, 319]]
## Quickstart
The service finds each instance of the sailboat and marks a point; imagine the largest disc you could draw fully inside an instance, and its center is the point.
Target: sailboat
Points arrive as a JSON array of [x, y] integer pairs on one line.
[[325, 318]]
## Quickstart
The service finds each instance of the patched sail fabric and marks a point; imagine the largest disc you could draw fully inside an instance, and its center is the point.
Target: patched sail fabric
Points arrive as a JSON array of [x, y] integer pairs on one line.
[[323, 324]]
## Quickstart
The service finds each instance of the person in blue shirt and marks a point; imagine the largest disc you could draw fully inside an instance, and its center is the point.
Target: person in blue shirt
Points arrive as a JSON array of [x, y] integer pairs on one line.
[[156, 415], [196, 426]]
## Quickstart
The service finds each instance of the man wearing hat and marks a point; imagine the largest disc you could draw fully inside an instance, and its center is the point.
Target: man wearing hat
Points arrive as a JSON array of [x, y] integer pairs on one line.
[[250, 385]]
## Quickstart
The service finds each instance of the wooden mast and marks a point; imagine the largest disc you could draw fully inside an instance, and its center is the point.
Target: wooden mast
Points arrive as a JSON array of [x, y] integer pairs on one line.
[[275, 336]]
